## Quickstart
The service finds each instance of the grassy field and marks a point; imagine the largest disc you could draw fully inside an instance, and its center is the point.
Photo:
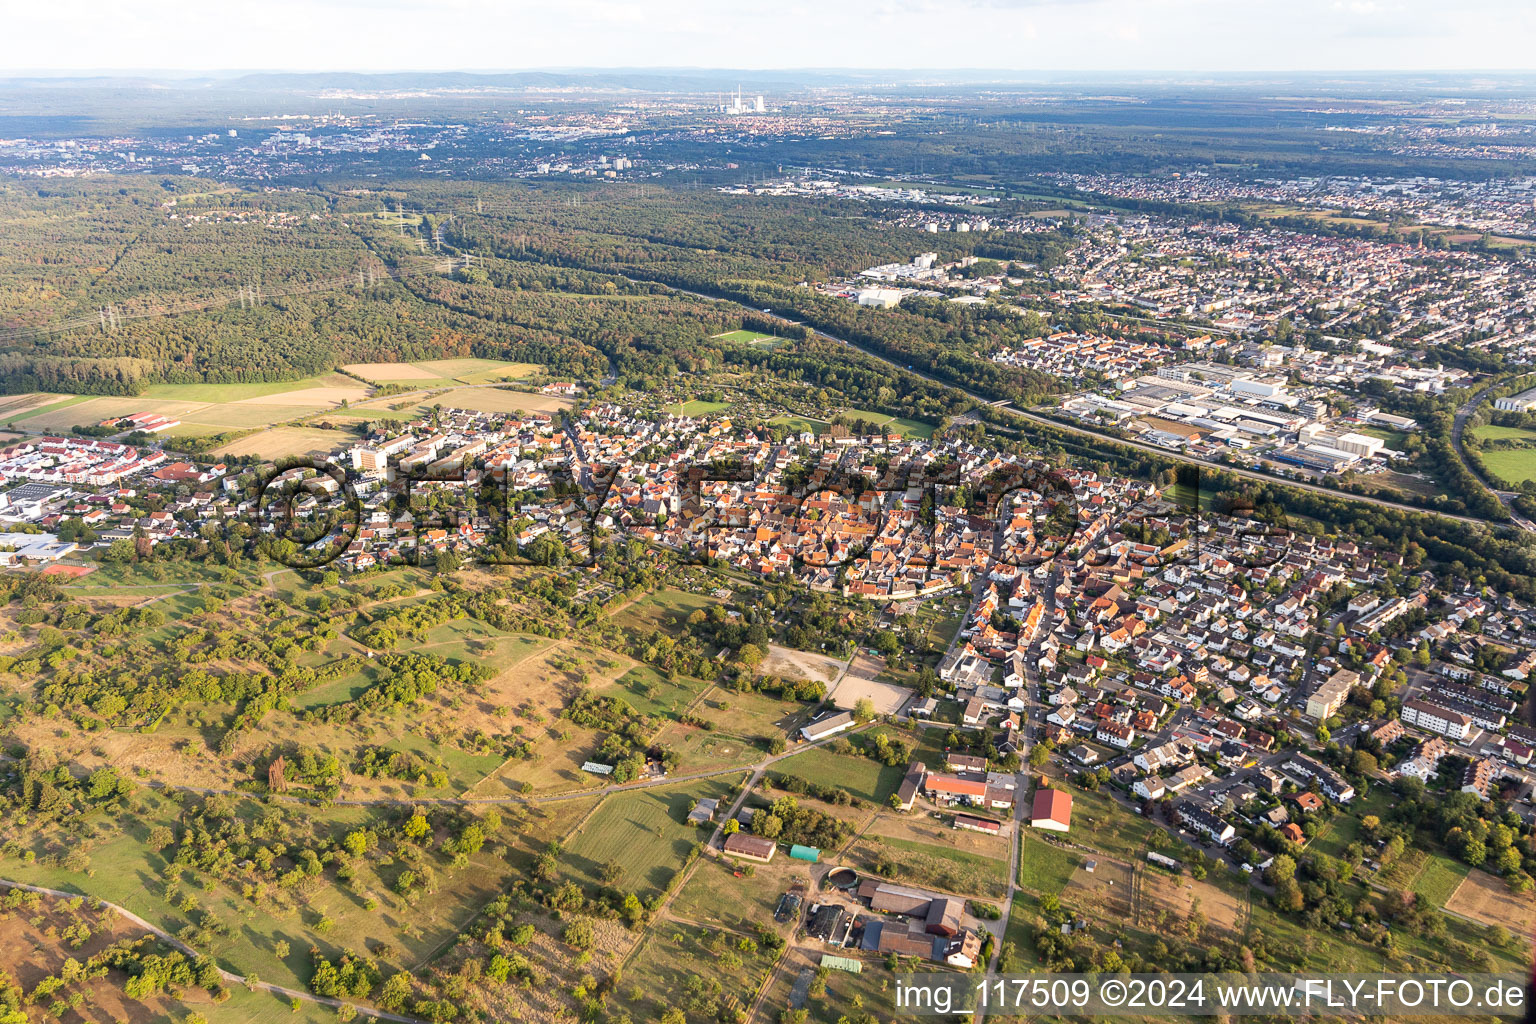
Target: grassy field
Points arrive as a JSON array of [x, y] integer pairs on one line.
[[747, 338], [1439, 879], [801, 424], [1045, 868], [716, 897], [1101, 823], [937, 867], [651, 693], [893, 424], [1514, 465], [1394, 439], [673, 955], [1492, 432], [859, 775], [664, 609], [644, 832]]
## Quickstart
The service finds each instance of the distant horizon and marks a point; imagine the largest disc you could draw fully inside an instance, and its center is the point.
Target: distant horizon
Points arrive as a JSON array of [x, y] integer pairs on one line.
[[971, 75], [68, 38]]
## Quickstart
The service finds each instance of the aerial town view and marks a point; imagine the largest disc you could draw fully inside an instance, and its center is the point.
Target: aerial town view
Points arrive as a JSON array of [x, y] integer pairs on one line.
[[621, 542]]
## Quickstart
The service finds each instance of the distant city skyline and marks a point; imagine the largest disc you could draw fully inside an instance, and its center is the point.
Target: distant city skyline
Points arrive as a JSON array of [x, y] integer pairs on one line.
[[1173, 36]]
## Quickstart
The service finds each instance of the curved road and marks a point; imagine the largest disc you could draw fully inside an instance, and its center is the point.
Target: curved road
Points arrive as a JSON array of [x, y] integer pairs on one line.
[[1458, 428]]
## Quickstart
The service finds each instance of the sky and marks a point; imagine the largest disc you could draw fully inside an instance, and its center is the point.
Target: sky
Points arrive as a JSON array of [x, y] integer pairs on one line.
[[1187, 36]]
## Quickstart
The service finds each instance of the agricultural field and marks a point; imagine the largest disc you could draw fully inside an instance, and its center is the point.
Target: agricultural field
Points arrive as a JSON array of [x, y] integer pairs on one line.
[[475, 399], [282, 441], [203, 409], [441, 372], [1487, 900]]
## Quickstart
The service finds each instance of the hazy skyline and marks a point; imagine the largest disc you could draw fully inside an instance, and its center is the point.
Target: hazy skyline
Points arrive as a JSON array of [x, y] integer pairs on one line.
[[1189, 36]]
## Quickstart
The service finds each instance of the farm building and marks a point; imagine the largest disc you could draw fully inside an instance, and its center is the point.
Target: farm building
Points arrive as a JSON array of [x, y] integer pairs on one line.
[[1052, 810], [831, 725], [750, 847], [975, 824], [906, 793], [703, 811], [944, 916]]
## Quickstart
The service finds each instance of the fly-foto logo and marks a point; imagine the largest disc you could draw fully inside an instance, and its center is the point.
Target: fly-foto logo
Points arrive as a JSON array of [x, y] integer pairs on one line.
[[1022, 514]]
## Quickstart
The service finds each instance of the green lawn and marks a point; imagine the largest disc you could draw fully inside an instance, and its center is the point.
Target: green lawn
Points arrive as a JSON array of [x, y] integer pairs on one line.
[[893, 424], [1394, 439], [643, 831], [859, 775]]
